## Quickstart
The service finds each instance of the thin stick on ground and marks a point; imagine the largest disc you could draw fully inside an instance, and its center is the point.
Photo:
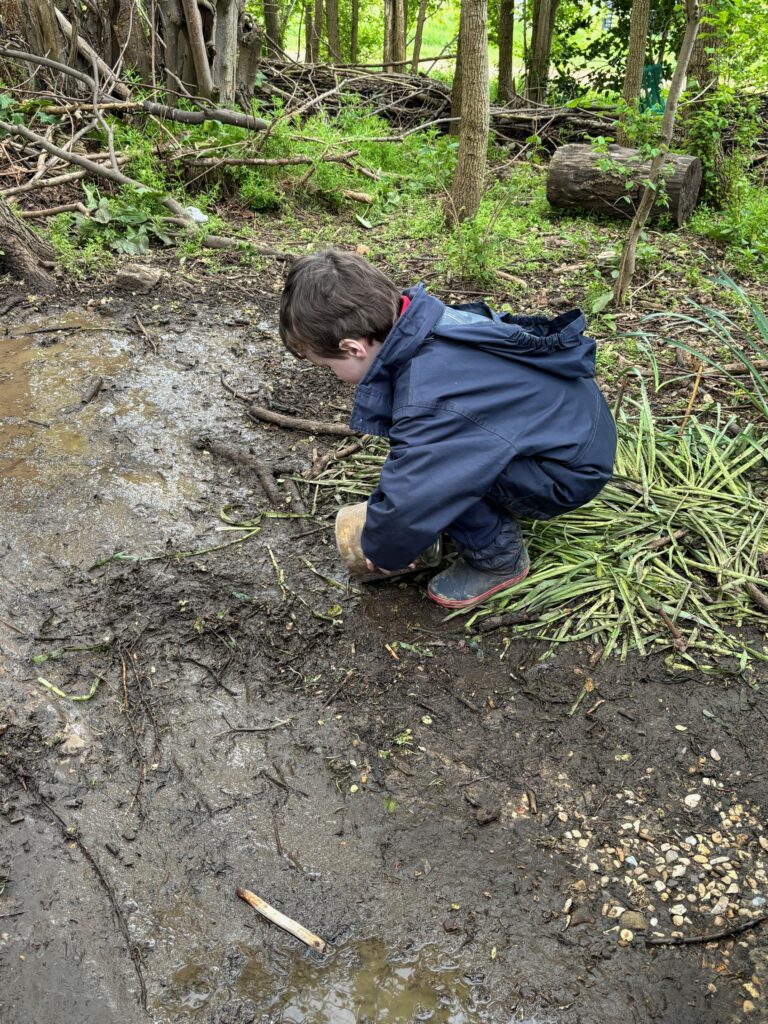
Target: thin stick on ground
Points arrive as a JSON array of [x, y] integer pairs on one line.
[[282, 921], [259, 412], [689, 940]]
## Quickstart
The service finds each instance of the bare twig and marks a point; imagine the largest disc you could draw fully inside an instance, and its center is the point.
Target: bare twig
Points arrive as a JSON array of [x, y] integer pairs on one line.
[[281, 920], [687, 940]]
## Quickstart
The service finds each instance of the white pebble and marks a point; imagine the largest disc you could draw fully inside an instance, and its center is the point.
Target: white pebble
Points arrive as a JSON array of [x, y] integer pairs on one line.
[[692, 801]]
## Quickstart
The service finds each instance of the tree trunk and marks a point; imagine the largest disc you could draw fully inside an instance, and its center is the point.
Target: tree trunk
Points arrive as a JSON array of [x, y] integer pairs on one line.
[[226, 40], [389, 21], [506, 65], [575, 180], [475, 111], [332, 30], [317, 29], [456, 90], [544, 13], [128, 38], [272, 27], [638, 35], [354, 30], [398, 36], [21, 252], [629, 250], [703, 66], [421, 17], [633, 76]]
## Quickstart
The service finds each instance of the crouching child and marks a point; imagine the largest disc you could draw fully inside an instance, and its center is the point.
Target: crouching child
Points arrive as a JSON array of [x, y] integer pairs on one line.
[[490, 418]]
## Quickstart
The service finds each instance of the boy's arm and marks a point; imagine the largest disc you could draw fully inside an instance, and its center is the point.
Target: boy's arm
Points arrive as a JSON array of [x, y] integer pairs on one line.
[[441, 464]]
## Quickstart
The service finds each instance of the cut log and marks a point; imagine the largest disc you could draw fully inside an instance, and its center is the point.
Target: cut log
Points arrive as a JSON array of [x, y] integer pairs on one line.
[[580, 178]]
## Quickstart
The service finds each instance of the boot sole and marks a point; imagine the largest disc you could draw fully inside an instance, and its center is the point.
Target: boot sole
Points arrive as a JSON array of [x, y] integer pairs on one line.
[[469, 602]]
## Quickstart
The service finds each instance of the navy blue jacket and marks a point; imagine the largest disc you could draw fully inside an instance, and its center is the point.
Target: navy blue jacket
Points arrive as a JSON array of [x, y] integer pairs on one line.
[[464, 395]]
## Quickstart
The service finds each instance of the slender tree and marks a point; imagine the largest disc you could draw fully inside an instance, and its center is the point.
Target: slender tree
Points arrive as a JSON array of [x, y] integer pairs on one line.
[[354, 30], [399, 29], [421, 17], [272, 27], [332, 29], [633, 76], [317, 28], [468, 181], [629, 250], [544, 14], [389, 20], [506, 34], [456, 91], [703, 67]]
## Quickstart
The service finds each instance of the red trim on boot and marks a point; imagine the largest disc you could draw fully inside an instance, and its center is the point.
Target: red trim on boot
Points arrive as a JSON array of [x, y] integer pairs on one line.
[[470, 601]]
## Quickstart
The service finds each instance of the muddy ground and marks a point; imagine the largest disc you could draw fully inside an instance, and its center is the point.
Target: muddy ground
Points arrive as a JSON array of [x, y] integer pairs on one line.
[[421, 798]]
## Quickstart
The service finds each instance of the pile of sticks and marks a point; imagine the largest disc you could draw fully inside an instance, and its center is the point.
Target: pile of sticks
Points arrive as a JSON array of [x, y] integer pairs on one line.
[[413, 102]]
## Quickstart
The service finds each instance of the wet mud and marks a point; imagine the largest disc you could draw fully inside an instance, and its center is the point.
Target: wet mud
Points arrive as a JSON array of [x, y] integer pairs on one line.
[[474, 843]]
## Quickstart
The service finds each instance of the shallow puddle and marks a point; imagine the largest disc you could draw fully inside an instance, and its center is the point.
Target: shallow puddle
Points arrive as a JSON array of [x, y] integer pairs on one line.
[[359, 983]]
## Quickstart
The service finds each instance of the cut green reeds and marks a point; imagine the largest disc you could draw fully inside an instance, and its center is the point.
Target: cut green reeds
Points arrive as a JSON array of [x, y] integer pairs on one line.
[[747, 344], [661, 561]]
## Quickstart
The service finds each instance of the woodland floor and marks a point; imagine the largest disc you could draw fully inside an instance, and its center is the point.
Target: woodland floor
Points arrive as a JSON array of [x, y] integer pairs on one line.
[[418, 796]]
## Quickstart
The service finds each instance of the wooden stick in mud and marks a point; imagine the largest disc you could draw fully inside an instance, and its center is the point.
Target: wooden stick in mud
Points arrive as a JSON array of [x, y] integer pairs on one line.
[[259, 412], [276, 917]]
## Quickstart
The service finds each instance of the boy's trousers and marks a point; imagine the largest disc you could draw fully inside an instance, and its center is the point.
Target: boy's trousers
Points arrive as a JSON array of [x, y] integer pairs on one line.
[[539, 488]]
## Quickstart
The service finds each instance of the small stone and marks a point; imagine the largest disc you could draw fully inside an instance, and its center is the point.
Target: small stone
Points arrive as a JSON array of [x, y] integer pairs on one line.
[[678, 908], [717, 838], [733, 888], [562, 816], [670, 856], [690, 841], [699, 858], [633, 920], [632, 861], [721, 906], [626, 935], [747, 1006], [758, 901], [692, 801], [714, 754], [659, 885], [615, 912], [136, 278], [678, 920], [678, 870]]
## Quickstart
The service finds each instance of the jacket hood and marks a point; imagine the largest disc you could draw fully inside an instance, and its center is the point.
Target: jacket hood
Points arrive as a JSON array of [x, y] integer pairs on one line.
[[557, 347]]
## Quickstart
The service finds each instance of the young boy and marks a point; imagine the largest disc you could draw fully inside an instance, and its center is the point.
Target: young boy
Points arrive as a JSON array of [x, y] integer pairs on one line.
[[489, 417]]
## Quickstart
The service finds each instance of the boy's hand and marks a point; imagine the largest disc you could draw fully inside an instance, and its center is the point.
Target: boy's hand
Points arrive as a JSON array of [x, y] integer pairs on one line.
[[387, 572]]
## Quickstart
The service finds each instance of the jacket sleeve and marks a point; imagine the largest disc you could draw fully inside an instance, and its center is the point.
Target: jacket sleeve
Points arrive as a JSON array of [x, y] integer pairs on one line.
[[441, 463]]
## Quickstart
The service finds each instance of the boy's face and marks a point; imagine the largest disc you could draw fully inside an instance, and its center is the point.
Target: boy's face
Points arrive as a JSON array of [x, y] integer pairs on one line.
[[355, 358]]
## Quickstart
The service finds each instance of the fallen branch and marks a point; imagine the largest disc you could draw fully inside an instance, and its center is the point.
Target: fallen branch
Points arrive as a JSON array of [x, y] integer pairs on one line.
[[259, 412], [281, 920], [509, 619], [332, 456], [251, 462], [51, 211], [260, 161], [687, 940]]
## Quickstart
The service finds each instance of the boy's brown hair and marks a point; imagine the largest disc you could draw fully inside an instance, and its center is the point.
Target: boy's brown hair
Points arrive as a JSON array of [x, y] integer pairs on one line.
[[333, 295]]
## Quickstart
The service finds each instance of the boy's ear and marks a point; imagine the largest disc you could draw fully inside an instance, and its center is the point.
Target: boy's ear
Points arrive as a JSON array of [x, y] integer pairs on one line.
[[355, 347]]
